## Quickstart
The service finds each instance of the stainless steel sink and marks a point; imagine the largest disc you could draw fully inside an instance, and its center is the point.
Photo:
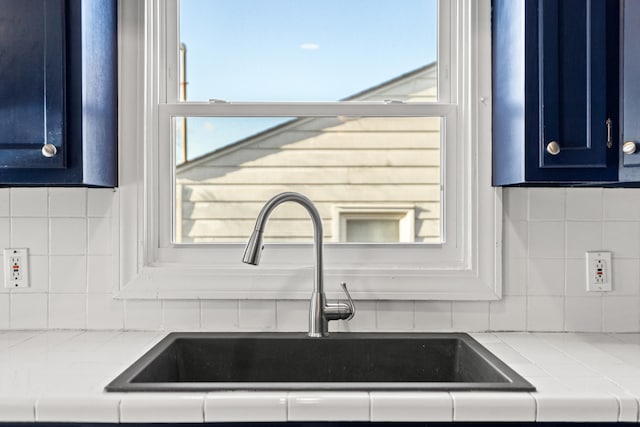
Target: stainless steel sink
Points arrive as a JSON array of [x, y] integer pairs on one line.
[[293, 361]]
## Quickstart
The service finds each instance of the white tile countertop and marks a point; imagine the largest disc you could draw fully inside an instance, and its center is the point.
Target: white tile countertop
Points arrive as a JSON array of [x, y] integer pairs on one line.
[[59, 376]]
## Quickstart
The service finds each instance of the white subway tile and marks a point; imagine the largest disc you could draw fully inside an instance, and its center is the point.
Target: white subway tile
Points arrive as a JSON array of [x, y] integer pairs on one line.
[[4, 202], [583, 236], [143, 314], [31, 233], [68, 274], [232, 407], [29, 311], [514, 276], [181, 315], [292, 315], [101, 274], [68, 311], [546, 239], [620, 314], [576, 406], [5, 233], [546, 203], [622, 238], [433, 316], [516, 238], [104, 312], [67, 202], [470, 316], [100, 236], [584, 203], [546, 277], [395, 315], [484, 406], [576, 279], [625, 275], [80, 409], [403, 406], [100, 202], [17, 409], [545, 313], [508, 314], [364, 320], [621, 204], [583, 314], [68, 236], [5, 311], [257, 315], [328, 406], [31, 202], [515, 202], [162, 408], [38, 274], [220, 315]]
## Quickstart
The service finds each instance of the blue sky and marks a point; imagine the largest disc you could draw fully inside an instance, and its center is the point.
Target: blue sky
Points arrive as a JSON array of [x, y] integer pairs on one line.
[[298, 50]]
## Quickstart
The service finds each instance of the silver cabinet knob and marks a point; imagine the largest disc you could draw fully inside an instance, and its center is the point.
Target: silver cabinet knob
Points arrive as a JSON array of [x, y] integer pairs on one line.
[[629, 147], [49, 150], [553, 148]]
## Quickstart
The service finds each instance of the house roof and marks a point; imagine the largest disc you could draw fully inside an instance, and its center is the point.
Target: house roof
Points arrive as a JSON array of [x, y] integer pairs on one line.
[[369, 92]]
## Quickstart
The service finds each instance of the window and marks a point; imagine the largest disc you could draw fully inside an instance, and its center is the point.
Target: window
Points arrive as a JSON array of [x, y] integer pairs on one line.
[[191, 226], [377, 224]]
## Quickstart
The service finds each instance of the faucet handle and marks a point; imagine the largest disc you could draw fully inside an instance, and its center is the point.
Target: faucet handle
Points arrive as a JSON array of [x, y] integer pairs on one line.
[[352, 306]]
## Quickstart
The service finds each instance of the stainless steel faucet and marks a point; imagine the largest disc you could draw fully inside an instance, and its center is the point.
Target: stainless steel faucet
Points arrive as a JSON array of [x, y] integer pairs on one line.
[[320, 311]]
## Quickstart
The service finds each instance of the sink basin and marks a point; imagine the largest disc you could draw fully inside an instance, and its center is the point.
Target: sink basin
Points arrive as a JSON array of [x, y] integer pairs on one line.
[[342, 361]]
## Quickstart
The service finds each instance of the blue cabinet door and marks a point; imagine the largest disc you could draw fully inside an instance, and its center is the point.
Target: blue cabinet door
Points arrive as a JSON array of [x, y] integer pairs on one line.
[[555, 99], [573, 79], [32, 83], [630, 147], [58, 86]]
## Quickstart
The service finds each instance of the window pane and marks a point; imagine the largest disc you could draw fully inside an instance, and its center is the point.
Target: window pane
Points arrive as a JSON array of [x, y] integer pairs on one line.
[[335, 161], [309, 50], [373, 230]]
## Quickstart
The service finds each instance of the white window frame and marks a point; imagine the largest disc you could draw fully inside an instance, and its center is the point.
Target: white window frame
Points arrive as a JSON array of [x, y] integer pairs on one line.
[[404, 215], [466, 266]]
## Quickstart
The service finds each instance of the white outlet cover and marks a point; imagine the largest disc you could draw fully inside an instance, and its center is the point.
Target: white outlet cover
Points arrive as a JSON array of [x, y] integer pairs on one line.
[[16, 268], [599, 271]]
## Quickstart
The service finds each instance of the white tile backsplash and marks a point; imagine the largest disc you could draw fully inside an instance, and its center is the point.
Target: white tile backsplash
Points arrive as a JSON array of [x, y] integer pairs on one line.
[[29, 311], [584, 204], [31, 233], [68, 202], [70, 235], [29, 202], [68, 311], [68, 274], [5, 207]]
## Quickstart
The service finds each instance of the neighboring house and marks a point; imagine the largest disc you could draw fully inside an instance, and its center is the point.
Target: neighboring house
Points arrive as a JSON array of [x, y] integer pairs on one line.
[[372, 179]]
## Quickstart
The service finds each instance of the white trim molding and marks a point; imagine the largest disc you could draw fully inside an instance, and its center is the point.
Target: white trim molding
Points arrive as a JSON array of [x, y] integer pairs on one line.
[[466, 265]]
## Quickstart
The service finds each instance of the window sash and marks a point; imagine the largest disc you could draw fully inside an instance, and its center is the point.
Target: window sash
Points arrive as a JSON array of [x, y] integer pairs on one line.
[[464, 267]]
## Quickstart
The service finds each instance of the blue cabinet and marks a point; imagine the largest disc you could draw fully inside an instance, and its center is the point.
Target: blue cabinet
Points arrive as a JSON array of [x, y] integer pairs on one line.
[[630, 148], [58, 92], [555, 92]]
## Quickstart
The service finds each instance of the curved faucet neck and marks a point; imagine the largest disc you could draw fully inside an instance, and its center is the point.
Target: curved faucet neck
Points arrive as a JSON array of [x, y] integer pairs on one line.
[[274, 202]]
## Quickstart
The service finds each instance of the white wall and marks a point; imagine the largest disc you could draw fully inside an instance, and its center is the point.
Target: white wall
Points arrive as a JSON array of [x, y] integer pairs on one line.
[[546, 232]]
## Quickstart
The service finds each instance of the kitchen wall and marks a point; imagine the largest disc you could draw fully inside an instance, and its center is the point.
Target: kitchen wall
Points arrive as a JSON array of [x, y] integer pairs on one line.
[[69, 233]]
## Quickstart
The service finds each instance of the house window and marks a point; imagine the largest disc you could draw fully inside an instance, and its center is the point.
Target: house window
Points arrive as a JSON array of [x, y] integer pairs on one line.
[[298, 100], [378, 224]]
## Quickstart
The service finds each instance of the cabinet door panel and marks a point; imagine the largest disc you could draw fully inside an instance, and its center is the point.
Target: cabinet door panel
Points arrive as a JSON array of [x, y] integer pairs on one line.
[[573, 75], [630, 163], [31, 83]]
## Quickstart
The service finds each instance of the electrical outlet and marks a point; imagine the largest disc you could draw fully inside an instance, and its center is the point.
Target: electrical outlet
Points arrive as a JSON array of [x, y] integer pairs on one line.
[[598, 271], [16, 268]]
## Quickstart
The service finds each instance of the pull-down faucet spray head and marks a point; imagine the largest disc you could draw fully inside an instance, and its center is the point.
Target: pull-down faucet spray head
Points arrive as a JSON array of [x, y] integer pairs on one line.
[[254, 247]]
